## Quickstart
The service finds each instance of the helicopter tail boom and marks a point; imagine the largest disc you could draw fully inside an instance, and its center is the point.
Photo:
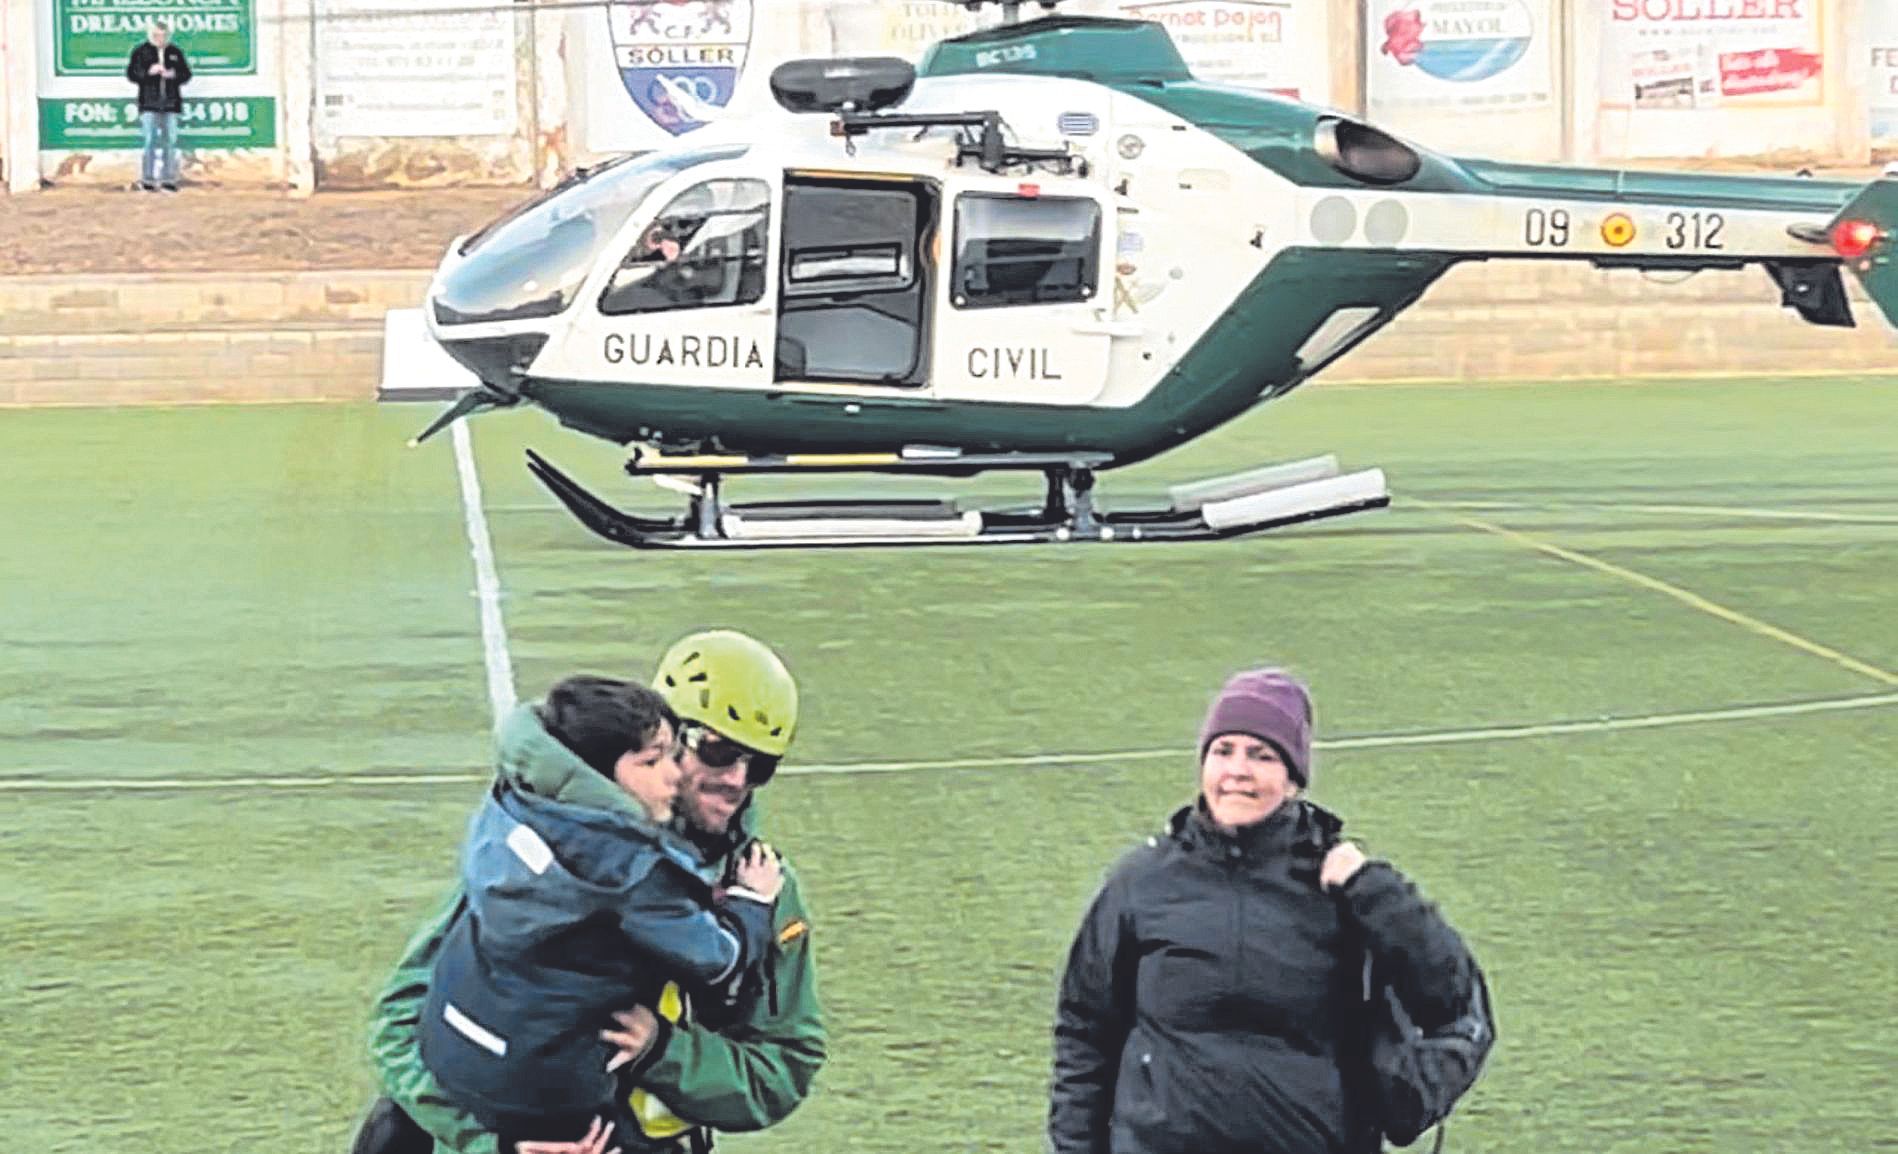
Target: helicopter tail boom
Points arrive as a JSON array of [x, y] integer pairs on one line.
[[1803, 232]]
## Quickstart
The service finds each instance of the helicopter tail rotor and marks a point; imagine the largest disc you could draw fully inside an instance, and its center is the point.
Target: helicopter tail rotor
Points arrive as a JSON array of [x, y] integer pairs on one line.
[[1864, 234]]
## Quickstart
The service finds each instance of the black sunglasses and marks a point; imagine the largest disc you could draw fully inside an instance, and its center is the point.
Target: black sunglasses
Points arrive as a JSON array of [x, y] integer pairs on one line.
[[721, 752]]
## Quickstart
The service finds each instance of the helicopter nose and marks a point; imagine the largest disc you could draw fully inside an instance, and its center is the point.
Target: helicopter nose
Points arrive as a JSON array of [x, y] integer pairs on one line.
[[500, 363]]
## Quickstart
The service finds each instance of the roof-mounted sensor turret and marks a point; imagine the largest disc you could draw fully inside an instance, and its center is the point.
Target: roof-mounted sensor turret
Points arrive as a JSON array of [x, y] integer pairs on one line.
[[858, 90], [850, 84]]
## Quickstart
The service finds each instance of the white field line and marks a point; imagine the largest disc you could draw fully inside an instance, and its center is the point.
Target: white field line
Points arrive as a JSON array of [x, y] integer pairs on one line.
[[1685, 596], [501, 693], [487, 582], [1740, 511], [1376, 741]]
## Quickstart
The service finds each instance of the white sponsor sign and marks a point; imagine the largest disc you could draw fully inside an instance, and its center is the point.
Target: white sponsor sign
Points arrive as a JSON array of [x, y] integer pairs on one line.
[[1275, 45], [1460, 55], [906, 28], [1702, 55], [415, 73], [1882, 35]]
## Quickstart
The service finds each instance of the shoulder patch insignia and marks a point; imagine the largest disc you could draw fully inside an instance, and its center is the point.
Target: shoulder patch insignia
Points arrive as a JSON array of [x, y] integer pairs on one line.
[[793, 930]]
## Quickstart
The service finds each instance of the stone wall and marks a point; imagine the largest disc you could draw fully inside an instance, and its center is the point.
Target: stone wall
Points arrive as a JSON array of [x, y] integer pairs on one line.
[[1520, 320], [304, 336], [186, 338]]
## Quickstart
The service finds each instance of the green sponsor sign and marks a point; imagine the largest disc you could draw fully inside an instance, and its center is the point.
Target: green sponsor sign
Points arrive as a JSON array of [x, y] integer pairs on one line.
[[210, 123], [96, 37]]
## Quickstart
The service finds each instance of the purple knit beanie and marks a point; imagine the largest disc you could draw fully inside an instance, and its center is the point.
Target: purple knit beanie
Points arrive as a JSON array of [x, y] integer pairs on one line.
[[1268, 704]]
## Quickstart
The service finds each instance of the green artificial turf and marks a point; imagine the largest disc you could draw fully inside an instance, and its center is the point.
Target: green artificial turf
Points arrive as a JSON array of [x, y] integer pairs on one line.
[[1686, 925]]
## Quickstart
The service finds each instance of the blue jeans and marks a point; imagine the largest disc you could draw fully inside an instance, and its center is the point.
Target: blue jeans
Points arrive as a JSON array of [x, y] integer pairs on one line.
[[161, 136]]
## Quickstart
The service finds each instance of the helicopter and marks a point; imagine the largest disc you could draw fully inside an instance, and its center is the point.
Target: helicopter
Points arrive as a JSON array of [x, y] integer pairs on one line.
[[1044, 247]]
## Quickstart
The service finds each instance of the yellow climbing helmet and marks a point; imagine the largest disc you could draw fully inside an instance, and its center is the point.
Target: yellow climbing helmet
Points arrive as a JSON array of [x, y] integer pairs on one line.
[[734, 684]]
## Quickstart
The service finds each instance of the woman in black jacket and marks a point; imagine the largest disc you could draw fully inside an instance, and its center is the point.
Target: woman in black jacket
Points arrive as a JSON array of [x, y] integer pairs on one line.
[[1212, 997]]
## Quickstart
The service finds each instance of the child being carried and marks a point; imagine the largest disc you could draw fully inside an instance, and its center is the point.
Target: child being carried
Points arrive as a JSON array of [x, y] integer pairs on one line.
[[578, 899]]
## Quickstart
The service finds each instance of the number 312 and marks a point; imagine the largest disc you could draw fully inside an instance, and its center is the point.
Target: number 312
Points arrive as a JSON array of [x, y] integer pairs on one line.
[[1695, 229]]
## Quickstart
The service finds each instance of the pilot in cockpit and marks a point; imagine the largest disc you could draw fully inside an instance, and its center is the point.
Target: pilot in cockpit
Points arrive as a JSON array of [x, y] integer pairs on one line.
[[671, 273], [661, 243]]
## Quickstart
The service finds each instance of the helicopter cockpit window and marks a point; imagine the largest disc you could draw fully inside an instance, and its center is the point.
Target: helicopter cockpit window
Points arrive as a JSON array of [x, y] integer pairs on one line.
[[533, 261], [704, 249], [1021, 250]]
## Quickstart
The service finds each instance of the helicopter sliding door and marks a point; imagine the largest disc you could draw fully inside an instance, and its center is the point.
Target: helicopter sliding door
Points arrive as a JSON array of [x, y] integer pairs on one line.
[[1021, 322], [854, 281]]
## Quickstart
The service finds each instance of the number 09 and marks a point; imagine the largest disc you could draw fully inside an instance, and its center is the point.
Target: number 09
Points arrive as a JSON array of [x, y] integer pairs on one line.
[[1549, 229]]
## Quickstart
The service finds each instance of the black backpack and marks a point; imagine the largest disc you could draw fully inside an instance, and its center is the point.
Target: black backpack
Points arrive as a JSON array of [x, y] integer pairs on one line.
[[1416, 1078]]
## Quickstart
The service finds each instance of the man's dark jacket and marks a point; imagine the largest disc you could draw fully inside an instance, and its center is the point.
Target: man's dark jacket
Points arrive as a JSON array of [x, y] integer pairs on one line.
[[1212, 997], [156, 93]]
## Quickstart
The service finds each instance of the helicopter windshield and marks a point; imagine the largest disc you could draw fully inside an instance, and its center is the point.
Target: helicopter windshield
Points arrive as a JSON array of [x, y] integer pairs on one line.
[[531, 263]]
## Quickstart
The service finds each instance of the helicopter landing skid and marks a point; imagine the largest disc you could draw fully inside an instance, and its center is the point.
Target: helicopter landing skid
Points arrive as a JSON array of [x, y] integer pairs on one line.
[[1232, 506]]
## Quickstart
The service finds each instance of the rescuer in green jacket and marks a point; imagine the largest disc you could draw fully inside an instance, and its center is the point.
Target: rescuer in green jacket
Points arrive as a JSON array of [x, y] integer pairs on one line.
[[684, 1076]]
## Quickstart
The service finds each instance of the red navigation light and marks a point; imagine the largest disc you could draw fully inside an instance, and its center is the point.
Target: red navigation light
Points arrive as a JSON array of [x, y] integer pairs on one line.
[[1028, 190], [1854, 238]]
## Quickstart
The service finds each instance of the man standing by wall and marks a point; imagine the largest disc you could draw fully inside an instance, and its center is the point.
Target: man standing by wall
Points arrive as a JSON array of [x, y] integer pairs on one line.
[[160, 70]]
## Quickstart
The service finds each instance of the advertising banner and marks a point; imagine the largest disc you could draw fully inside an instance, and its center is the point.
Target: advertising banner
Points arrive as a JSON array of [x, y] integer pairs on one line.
[[1274, 45], [8, 152], [94, 37], [86, 104], [904, 28], [448, 72], [218, 122], [1704, 55], [1460, 55], [1881, 34]]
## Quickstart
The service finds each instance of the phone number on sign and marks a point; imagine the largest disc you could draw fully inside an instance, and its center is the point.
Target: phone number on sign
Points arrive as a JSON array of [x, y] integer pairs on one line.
[[204, 112]]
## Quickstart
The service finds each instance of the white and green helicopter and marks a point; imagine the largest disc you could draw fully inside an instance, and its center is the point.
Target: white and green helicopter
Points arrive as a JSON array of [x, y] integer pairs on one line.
[[1044, 247]]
